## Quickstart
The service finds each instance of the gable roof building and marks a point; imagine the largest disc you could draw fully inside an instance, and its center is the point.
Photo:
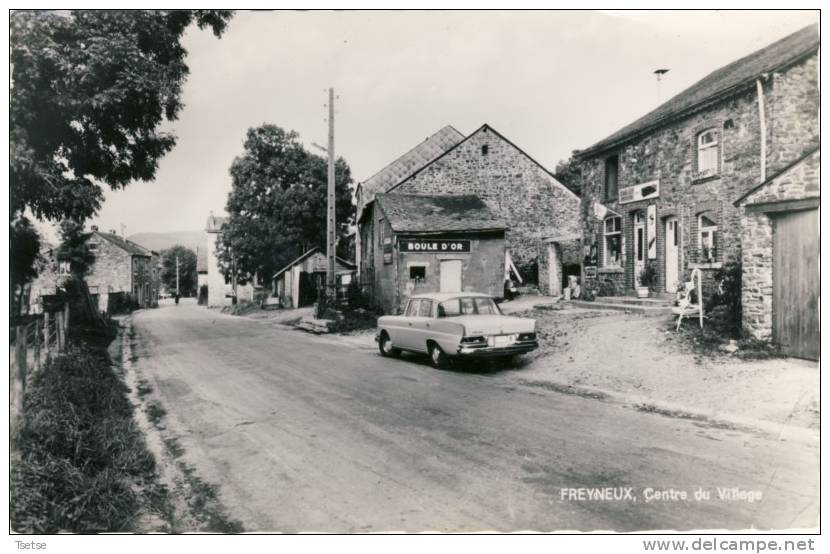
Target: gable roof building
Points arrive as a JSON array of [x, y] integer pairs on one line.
[[411, 213]]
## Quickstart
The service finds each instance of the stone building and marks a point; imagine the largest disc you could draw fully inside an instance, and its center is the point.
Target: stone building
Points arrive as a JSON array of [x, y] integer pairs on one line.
[[780, 257], [660, 191], [123, 272], [424, 243], [540, 214], [216, 280]]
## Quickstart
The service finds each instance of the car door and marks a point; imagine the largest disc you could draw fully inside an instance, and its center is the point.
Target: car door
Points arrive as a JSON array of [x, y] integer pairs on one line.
[[422, 325], [407, 331]]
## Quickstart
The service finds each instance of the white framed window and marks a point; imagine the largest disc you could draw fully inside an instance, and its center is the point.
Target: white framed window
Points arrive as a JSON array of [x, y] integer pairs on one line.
[[707, 237], [612, 256], [64, 268], [708, 152]]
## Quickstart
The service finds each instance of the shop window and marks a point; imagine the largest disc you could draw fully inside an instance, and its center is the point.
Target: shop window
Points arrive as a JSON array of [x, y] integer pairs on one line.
[[613, 242], [707, 237], [612, 167], [418, 273], [708, 152]]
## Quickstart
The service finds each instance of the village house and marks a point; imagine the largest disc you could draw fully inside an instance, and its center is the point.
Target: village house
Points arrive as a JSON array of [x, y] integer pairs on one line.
[[296, 284], [662, 190], [537, 217], [124, 273], [221, 289]]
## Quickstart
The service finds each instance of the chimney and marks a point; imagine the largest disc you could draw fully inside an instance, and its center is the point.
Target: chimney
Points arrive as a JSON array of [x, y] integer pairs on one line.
[[94, 228]]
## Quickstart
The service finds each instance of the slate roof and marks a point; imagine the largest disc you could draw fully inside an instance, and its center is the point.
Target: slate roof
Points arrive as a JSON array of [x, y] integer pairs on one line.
[[415, 213], [347, 264], [127, 245], [727, 80], [410, 162]]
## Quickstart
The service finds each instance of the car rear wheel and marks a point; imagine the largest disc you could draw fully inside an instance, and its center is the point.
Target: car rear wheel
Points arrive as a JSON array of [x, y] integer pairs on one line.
[[437, 357], [386, 348]]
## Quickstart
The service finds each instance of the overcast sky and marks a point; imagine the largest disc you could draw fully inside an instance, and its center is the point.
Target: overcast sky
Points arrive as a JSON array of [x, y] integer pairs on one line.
[[551, 82]]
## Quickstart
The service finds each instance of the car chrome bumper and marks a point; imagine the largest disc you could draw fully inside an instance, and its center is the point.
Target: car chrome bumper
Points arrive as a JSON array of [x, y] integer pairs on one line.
[[493, 351]]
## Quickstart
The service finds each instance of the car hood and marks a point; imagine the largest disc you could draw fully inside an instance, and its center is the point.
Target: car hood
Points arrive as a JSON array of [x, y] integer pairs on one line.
[[494, 324]]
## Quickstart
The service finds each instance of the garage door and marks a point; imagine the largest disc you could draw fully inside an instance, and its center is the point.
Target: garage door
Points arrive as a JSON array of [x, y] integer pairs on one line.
[[795, 301]]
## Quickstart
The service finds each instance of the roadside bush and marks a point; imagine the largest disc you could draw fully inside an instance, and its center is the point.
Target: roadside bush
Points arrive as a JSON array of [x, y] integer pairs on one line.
[[83, 462], [356, 299], [724, 306]]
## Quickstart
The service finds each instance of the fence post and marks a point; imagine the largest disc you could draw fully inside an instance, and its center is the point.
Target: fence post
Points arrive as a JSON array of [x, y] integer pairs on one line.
[[65, 320], [37, 344], [46, 333], [18, 384], [61, 330]]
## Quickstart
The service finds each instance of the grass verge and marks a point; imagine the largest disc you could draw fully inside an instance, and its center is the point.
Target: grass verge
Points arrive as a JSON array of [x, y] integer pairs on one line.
[[83, 466]]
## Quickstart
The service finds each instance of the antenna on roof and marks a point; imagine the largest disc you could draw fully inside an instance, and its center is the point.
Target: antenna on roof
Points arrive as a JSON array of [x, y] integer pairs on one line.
[[660, 73]]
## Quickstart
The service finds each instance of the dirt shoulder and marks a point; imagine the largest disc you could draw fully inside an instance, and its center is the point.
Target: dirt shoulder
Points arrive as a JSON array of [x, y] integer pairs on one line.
[[642, 358]]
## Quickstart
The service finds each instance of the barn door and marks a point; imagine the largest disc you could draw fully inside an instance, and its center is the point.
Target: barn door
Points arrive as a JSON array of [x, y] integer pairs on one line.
[[795, 301]]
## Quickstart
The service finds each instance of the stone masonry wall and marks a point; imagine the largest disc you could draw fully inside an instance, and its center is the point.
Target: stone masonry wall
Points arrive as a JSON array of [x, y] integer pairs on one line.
[[534, 205], [801, 181], [668, 155]]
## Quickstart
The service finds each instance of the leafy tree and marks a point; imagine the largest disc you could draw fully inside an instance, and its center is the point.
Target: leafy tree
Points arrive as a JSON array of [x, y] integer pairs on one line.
[[89, 91], [25, 247], [569, 173], [277, 204], [188, 278], [74, 248]]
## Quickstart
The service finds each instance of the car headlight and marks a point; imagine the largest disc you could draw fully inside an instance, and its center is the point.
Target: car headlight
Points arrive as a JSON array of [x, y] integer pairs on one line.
[[527, 336]]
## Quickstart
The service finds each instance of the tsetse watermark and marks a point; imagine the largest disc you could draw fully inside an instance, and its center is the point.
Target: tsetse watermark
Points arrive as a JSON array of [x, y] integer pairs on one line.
[[30, 545], [656, 494]]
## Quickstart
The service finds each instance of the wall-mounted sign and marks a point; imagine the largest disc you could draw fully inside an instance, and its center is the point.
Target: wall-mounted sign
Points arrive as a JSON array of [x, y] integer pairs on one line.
[[590, 271], [643, 191], [433, 245], [387, 250], [651, 231]]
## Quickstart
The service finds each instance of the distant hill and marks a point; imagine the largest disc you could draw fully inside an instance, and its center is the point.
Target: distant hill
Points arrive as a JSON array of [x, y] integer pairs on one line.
[[162, 241]]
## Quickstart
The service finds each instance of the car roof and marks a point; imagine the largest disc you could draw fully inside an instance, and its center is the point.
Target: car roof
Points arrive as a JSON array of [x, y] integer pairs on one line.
[[441, 296]]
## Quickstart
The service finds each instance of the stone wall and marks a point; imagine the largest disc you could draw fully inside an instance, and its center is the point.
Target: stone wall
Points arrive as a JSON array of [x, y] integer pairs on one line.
[[669, 155], [534, 205], [799, 182]]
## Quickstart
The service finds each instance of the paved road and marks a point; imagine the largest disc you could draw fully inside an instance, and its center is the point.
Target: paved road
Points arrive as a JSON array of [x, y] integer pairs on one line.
[[304, 433]]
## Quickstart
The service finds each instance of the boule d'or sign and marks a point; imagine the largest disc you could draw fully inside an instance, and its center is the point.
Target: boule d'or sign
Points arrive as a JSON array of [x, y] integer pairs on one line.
[[431, 245]]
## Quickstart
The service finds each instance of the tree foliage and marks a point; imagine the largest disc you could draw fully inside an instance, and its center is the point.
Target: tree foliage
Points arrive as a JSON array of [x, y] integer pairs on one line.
[[277, 205], [74, 248], [569, 173], [188, 278], [88, 94], [24, 241]]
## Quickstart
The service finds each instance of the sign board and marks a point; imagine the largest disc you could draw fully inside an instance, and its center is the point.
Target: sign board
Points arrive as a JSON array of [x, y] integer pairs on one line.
[[410, 246], [590, 271], [387, 250], [651, 231], [643, 191]]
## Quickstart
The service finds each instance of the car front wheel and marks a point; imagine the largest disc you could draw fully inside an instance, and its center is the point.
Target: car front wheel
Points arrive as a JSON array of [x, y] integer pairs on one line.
[[386, 348], [437, 357]]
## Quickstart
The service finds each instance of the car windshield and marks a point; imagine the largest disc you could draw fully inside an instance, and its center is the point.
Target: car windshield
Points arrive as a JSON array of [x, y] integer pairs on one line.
[[468, 305]]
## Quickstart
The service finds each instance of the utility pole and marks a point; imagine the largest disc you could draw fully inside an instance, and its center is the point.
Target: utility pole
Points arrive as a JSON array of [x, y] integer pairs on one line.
[[177, 276], [331, 227]]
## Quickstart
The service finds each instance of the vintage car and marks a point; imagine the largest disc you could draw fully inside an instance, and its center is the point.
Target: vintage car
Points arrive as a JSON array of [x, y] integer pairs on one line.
[[455, 325]]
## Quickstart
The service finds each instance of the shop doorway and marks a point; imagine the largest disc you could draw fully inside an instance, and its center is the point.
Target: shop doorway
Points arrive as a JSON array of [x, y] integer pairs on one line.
[[450, 275], [672, 253], [639, 246]]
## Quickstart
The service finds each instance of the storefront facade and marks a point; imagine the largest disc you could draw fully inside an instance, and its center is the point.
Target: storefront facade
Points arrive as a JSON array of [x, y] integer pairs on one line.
[[420, 243]]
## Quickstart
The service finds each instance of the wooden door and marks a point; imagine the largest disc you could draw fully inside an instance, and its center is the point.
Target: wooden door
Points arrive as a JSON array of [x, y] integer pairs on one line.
[[639, 246], [795, 300], [450, 276]]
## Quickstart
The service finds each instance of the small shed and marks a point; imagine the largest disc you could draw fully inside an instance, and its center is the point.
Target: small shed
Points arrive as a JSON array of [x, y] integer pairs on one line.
[[780, 252], [296, 284]]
